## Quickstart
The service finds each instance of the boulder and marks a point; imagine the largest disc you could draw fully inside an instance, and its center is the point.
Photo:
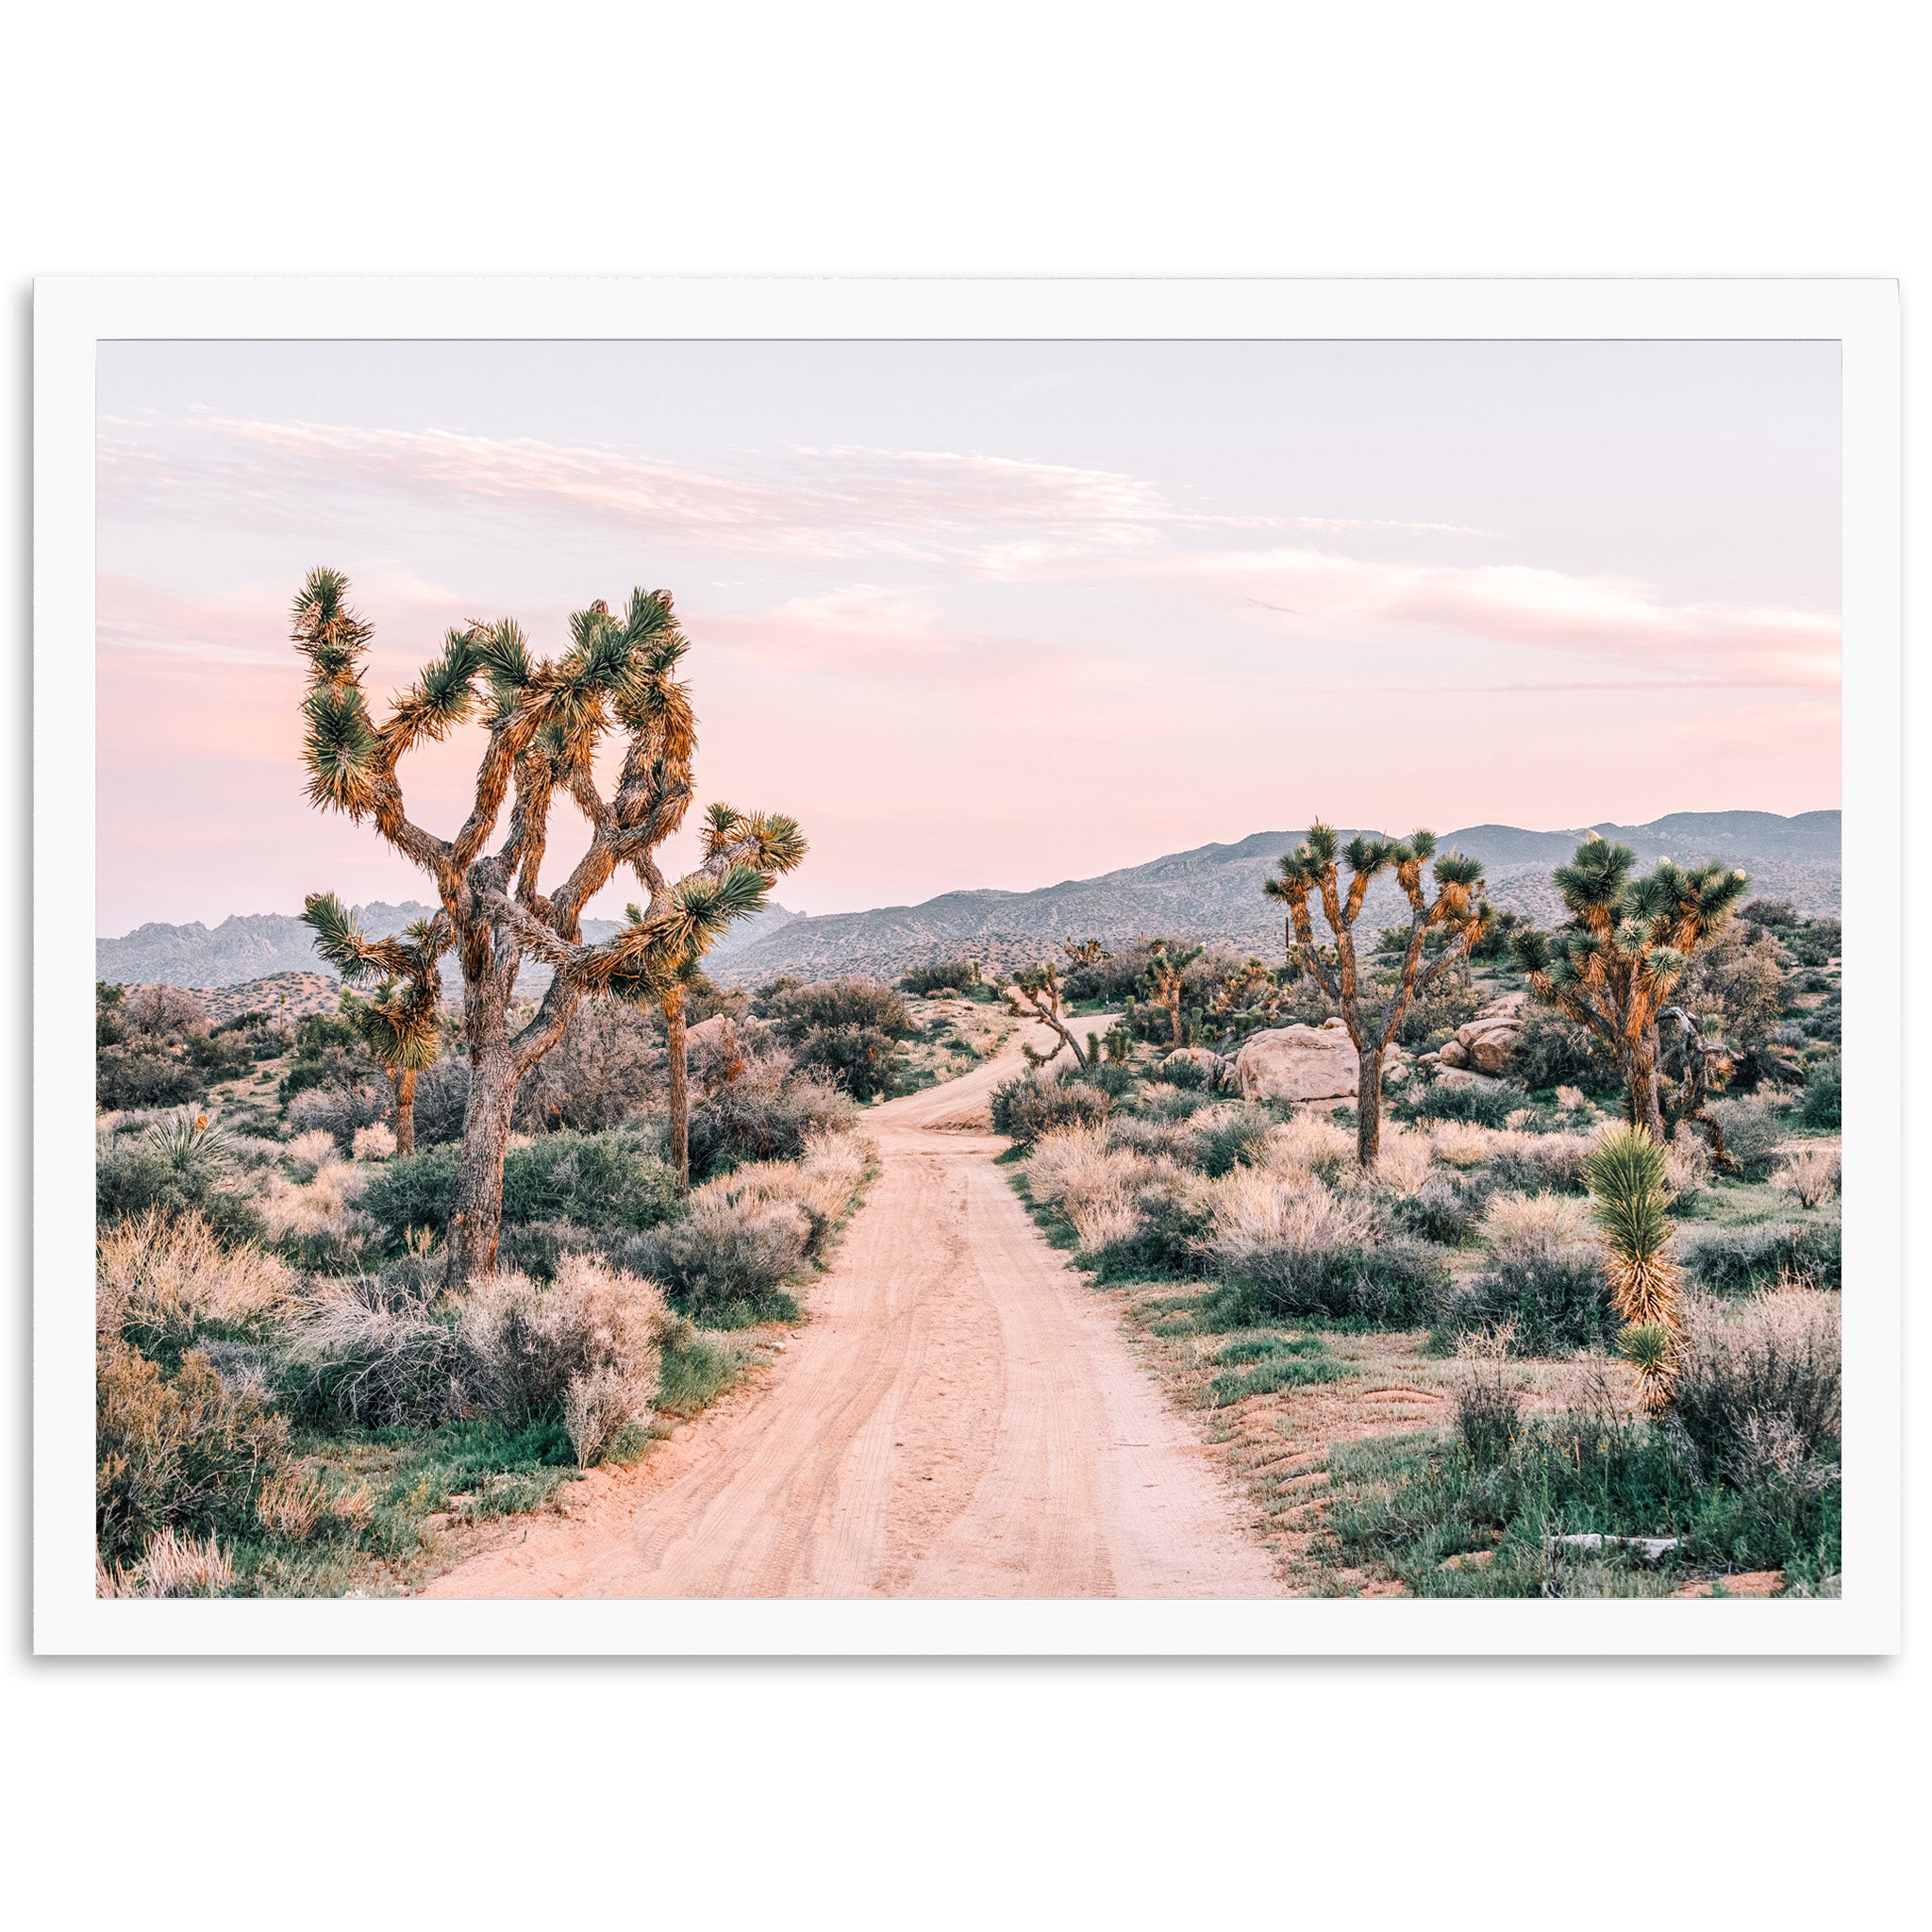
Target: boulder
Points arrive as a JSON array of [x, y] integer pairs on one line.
[[1297, 1064], [1487, 1044], [1452, 1053], [1210, 1062]]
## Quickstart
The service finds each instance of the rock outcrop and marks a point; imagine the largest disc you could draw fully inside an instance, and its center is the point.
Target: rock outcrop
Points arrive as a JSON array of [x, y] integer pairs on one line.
[[1297, 1064]]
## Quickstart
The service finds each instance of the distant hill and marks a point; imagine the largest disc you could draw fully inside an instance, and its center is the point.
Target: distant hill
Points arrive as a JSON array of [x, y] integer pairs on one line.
[[1214, 892], [256, 945]]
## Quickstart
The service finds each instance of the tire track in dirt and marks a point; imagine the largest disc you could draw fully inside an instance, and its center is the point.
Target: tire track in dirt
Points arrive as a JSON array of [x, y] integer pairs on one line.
[[961, 1418]]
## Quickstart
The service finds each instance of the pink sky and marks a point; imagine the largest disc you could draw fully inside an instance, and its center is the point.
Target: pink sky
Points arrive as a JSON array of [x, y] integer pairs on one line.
[[987, 614]]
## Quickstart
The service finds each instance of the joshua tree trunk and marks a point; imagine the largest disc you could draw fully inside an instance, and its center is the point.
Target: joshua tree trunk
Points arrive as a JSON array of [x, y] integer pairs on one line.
[[680, 1090], [1367, 1104], [405, 1084], [477, 1221], [1646, 1097]]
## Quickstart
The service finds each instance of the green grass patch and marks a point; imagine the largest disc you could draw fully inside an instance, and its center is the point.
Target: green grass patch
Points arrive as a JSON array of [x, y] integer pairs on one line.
[[1279, 1371], [692, 1372]]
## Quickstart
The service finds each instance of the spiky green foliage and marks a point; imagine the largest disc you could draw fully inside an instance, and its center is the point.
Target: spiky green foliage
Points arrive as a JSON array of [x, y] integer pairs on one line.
[[1630, 1201]]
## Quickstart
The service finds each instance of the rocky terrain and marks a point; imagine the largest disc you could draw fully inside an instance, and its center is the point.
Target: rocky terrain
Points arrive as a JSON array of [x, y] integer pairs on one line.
[[1214, 892]]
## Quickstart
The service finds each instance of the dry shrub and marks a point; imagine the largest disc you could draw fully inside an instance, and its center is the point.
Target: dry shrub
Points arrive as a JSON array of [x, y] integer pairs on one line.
[[162, 1275], [823, 1183], [170, 1565], [310, 1153], [1463, 1143], [1312, 1143], [725, 1250], [160, 1009], [584, 1349], [1814, 1175], [1526, 1227], [1686, 1166], [1402, 1167], [1571, 1099], [1759, 1392], [1097, 1187], [368, 1350], [375, 1143], [1256, 1213], [323, 1205]]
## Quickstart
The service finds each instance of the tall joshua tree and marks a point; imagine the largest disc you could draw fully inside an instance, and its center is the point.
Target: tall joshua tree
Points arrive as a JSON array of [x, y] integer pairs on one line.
[[403, 1024], [1612, 965], [544, 720], [1459, 907], [1166, 964]]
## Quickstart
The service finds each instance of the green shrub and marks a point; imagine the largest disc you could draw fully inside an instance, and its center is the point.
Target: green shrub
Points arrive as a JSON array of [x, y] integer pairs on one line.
[[1488, 1106], [133, 1177], [176, 1452], [1824, 1103], [596, 1180], [1558, 1302], [727, 1262], [1552, 1052], [859, 1058], [794, 1011], [1026, 1108], [1392, 1284], [954, 974], [750, 1120], [1234, 1142], [417, 1190], [1737, 1260], [145, 1074], [1440, 1210], [369, 1351], [1759, 1389]]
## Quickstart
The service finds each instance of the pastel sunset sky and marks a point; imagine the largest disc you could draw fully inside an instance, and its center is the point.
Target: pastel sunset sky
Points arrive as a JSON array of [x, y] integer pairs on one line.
[[986, 614]]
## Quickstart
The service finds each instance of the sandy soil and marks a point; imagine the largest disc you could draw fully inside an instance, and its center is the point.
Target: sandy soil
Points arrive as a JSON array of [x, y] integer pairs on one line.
[[961, 1418]]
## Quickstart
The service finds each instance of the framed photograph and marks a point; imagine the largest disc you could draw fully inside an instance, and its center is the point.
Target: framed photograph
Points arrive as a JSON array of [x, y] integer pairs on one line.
[[989, 967]]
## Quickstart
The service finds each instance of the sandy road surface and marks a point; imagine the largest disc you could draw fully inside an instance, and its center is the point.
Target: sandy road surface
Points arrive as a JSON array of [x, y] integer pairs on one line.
[[961, 1418]]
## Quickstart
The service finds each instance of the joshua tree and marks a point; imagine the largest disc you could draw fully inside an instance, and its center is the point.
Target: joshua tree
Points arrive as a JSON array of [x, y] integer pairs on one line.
[[1034, 993], [1612, 965], [403, 1024], [1165, 966], [1626, 1172], [1459, 907], [1698, 1064], [545, 720], [1085, 952]]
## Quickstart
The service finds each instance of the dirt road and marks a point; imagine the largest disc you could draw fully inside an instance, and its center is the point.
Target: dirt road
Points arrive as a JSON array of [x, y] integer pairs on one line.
[[961, 1418]]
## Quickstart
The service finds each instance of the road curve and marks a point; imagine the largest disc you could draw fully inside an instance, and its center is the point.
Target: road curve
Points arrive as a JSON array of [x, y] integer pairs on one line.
[[961, 1418]]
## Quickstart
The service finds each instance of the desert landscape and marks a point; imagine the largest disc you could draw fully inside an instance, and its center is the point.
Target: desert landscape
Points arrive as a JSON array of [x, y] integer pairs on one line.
[[808, 1085]]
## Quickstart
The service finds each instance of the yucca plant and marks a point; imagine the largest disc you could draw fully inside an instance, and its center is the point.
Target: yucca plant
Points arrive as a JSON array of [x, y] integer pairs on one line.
[[193, 1144], [544, 721], [402, 1025], [1631, 1199], [1613, 965], [1459, 909]]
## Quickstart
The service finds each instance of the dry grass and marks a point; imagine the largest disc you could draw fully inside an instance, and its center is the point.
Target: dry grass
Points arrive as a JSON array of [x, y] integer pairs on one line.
[[171, 1565], [1403, 1166], [1311, 1143], [324, 1205], [172, 1273], [1814, 1175], [1760, 1386], [310, 1153], [377, 1142], [1255, 1212], [823, 1184], [1532, 1228]]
